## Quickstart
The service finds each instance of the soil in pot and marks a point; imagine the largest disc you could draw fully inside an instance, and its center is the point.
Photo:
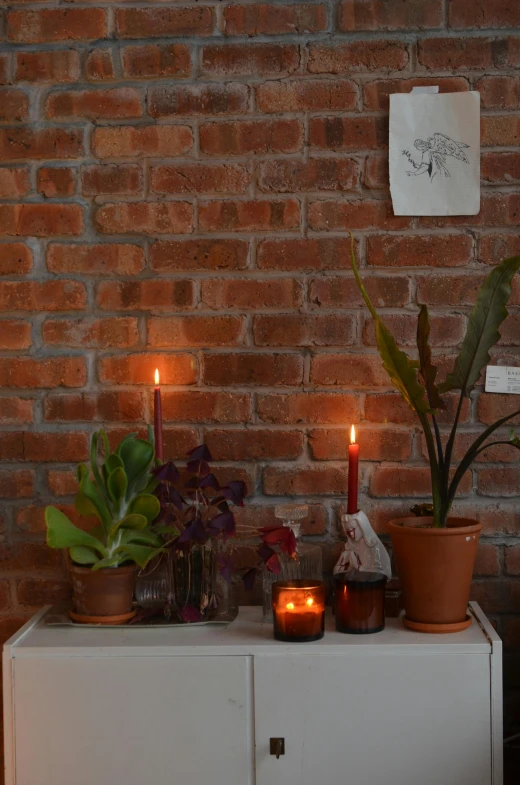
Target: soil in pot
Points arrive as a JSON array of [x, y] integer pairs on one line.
[[104, 594], [435, 567]]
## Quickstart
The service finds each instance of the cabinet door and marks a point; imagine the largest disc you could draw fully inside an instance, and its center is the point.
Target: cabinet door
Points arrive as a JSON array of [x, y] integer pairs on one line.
[[133, 721], [374, 719]]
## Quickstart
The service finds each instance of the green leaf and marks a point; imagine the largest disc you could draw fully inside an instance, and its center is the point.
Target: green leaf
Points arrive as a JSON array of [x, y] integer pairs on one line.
[[140, 554], [84, 506], [133, 521], [89, 490], [110, 561], [117, 485], [514, 440], [80, 554], [482, 332], [113, 462], [146, 505], [94, 463], [137, 456], [61, 533], [140, 537], [427, 371]]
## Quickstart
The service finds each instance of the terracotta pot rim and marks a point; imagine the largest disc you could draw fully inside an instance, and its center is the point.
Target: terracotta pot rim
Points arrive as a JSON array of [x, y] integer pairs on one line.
[[128, 568], [412, 526]]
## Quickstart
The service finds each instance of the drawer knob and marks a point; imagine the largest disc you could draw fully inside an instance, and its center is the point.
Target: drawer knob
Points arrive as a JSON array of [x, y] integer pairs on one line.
[[277, 746]]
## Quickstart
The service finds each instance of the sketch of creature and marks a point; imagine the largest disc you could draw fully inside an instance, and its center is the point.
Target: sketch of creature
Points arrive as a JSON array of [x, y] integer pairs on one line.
[[434, 151]]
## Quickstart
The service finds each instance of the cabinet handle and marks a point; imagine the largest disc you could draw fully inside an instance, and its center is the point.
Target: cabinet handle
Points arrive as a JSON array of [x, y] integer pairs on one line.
[[277, 746]]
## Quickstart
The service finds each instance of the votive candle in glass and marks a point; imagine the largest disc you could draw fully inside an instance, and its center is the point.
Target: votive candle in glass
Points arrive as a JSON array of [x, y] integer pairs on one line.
[[298, 610], [360, 602]]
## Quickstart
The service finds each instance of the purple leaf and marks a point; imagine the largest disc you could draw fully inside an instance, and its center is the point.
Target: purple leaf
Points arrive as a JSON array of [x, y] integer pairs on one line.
[[167, 472], [269, 557], [282, 536], [224, 522], [175, 498], [200, 453], [190, 614], [249, 578], [210, 481], [225, 567], [198, 467], [235, 492], [195, 532]]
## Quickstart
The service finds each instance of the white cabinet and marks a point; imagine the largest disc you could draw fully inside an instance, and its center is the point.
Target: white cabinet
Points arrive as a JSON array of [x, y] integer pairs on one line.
[[198, 706]]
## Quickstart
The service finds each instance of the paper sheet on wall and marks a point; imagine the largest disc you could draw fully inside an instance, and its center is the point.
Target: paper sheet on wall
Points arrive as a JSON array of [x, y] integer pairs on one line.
[[435, 153]]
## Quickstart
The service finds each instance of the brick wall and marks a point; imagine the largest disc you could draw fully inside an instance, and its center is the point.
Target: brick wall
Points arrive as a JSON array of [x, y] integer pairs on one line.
[[177, 181]]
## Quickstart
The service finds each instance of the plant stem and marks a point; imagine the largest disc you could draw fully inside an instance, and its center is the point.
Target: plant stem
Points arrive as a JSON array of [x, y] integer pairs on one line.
[[439, 443], [434, 470]]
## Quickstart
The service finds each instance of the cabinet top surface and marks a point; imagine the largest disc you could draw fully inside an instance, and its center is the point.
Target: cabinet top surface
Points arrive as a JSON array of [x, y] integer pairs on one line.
[[246, 635]]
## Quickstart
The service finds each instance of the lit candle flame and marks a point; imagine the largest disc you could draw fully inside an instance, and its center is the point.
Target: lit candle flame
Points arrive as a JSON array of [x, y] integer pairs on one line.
[[352, 435], [290, 606], [157, 377], [309, 601]]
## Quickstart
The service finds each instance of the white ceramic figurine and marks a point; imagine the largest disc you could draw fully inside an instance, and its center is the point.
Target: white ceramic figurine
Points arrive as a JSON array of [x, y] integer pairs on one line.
[[363, 549]]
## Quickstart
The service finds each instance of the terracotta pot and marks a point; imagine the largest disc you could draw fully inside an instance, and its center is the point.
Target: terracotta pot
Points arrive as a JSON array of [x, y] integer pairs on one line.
[[435, 567], [104, 593]]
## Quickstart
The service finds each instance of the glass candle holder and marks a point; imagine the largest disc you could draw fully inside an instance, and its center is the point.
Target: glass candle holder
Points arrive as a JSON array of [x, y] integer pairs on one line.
[[360, 602], [298, 610]]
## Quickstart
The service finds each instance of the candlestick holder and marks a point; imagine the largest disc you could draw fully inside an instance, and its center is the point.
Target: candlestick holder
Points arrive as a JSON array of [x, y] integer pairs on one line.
[[363, 550], [360, 602], [298, 611]]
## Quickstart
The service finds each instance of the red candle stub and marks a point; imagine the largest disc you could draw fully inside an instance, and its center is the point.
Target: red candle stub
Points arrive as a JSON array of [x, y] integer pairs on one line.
[[157, 418], [360, 602], [298, 610], [353, 473]]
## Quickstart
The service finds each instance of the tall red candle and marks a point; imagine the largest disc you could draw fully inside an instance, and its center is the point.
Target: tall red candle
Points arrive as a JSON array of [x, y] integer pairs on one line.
[[353, 472], [157, 418]]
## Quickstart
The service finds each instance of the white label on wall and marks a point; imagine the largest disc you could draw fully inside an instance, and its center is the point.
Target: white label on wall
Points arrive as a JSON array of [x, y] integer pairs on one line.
[[502, 379]]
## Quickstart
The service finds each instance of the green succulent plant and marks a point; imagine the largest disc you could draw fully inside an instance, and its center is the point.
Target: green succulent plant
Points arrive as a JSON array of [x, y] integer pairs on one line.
[[120, 494], [416, 379]]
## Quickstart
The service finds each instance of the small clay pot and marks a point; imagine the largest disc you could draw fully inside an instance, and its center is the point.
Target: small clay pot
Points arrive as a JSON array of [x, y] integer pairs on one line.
[[435, 566], [103, 593]]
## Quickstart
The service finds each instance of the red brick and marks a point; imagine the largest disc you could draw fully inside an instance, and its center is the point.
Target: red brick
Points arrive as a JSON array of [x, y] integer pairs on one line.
[[15, 259], [31, 518], [62, 482], [253, 444], [164, 22], [350, 371], [145, 218], [496, 596], [178, 441], [304, 330], [206, 407], [11, 446], [14, 182], [493, 407], [419, 251], [304, 254], [199, 179], [5, 601], [46, 143], [389, 15], [198, 99], [309, 95], [14, 105], [149, 295], [496, 209], [504, 481], [123, 406], [250, 216], [17, 484], [91, 333], [510, 634], [336, 292], [248, 137], [447, 290], [512, 559], [294, 408], [247, 293], [188, 331], [494, 247], [54, 181], [99, 65], [5, 61], [458, 53], [267, 19], [390, 407], [500, 130], [15, 334], [25, 556], [62, 65], [407, 481], [348, 133], [376, 172], [357, 56], [376, 93], [254, 369], [156, 60], [94, 104], [500, 168], [483, 13], [56, 24], [35, 592], [95, 259], [16, 410], [499, 92], [305, 480], [140, 368], [250, 59], [142, 141], [199, 255], [335, 215], [41, 220], [119, 179], [328, 444], [8, 626], [64, 447], [487, 561], [252, 517], [446, 329], [315, 174], [46, 296]]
